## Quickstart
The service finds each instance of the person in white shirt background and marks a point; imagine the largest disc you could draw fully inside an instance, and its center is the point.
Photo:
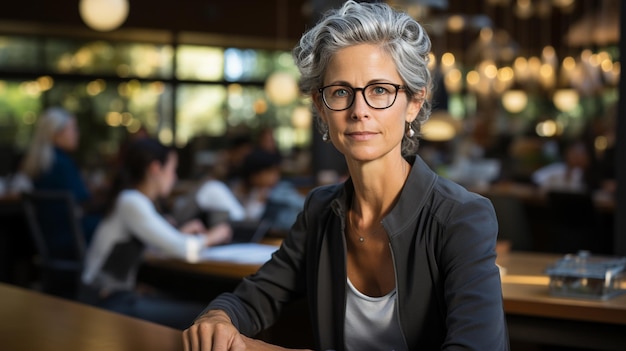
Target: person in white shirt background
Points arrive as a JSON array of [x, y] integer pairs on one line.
[[133, 224], [263, 192], [569, 174]]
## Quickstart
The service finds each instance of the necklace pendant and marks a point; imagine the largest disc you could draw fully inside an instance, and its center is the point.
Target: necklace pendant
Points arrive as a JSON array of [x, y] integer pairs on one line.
[[361, 239]]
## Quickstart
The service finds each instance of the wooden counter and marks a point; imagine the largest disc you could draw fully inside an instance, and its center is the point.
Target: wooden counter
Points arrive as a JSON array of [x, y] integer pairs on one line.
[[525, 291], [34, 321]]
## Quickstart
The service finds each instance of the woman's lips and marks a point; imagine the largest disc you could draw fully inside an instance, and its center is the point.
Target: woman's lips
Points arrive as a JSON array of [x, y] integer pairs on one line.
[[361, 135]]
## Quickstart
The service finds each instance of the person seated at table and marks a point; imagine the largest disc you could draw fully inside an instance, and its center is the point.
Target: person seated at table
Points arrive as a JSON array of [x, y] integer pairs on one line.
[[48, 164], [133, 224], [233, 157], [258, 193], [263, 193], [570, 173], [395, 257], [210, 197]]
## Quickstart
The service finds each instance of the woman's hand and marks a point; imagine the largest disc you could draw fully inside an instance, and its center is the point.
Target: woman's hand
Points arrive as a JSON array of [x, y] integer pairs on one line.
[[213, 332], [194, 226], [219, 234]]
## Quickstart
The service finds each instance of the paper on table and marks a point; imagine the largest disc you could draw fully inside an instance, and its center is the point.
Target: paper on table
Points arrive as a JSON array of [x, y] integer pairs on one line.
[[251, 253]]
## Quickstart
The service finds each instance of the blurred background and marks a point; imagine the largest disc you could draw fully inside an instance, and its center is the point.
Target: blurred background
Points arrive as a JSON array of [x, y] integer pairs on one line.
[[516, 81]]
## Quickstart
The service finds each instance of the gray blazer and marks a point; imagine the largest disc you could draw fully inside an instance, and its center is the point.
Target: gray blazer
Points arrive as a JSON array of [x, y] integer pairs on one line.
[[443, 242]]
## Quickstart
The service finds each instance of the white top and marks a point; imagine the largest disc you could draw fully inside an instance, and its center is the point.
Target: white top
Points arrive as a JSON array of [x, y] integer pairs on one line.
[[215, 195], [134, 215], [372, 322], [555, 177], [253, 206]]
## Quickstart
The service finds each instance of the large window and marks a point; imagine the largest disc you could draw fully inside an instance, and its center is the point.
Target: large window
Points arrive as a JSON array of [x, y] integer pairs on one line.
[[176, 93], [105, 58]]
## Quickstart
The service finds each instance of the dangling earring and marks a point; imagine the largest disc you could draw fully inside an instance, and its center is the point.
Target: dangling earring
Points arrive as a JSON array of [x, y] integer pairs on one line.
[[409, 130], [325, 136]]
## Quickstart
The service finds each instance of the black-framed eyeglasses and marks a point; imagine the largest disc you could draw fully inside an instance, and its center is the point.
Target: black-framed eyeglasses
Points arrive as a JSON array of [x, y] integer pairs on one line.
[[339, 97]]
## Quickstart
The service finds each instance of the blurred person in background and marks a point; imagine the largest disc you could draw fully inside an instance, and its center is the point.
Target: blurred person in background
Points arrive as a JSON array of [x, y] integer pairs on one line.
[[571, 172], [210, 196], [236, 150], [263, 193], [131, 225], [266, 141], [49, 166]]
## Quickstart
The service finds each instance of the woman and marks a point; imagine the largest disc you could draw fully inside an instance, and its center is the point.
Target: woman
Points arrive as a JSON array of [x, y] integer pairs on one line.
[[131, 225], [49, 166], [395, 258]]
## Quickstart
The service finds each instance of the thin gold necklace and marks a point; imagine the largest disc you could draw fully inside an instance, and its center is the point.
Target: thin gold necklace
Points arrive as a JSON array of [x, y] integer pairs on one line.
[[352, 228]]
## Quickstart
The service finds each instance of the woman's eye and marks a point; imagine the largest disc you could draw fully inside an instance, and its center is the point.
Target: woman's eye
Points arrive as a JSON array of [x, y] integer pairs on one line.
[[379, 90], [342, 92]]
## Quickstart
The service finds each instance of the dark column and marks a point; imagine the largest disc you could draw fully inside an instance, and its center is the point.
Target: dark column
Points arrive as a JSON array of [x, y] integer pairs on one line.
[[620, 158]]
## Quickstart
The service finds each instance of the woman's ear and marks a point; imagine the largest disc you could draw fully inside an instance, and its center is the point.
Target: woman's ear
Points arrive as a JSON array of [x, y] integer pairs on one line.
[[319, 105], [415, 105]]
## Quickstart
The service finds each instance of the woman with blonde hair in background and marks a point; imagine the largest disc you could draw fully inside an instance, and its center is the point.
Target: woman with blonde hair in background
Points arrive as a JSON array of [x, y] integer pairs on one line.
[[50, 167]]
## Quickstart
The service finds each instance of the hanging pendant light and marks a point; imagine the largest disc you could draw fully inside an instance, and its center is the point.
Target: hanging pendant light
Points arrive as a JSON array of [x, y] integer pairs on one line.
[[565, 99], [441, 126], [103, 15], [281, 88], [515, 100]]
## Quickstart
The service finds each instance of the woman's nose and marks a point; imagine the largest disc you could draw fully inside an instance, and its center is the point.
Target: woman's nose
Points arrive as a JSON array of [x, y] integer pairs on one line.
[[360, 108]]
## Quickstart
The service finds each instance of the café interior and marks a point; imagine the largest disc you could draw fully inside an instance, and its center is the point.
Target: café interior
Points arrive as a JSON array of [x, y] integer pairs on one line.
[[517, 82]]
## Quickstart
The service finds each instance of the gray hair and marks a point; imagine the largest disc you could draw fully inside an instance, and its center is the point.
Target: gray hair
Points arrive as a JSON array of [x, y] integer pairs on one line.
[[369, 23], [40, 155]]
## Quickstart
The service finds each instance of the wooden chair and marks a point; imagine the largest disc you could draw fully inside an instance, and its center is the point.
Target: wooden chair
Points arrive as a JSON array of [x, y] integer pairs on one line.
[[53, 218]]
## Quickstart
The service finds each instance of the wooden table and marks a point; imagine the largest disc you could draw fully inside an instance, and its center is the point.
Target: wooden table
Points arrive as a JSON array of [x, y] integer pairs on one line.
[[33, 321], [211, 268], [222, 269], [524, 287], [525, 291], [533, 314]]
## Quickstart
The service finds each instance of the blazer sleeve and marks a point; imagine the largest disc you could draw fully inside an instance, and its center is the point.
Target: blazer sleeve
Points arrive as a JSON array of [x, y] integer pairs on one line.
[[475, 317]]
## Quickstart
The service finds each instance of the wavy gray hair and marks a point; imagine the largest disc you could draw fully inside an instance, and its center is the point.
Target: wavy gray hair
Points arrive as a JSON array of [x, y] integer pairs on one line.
[[369, 23]]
